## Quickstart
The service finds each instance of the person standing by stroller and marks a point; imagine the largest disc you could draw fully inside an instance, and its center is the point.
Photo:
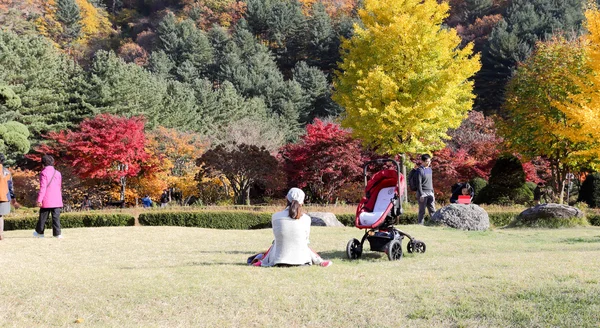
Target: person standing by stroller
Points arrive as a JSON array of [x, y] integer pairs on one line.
[[49, 198], [6, 193], [425, 188]]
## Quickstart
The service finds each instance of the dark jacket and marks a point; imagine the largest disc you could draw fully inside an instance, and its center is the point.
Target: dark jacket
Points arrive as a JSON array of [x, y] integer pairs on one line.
[[164, 198], [425, 180], [457, 191]]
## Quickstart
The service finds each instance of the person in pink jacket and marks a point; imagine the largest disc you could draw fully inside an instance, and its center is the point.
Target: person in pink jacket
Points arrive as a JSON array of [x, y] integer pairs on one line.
[[49, 198]]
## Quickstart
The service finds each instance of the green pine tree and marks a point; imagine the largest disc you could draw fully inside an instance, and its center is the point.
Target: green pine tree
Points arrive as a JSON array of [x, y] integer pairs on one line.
[[160, 64], [478, 8], [46, 82], [184, 42], [9, 104], [283, 25], [317, 92], [323, 43], [180, 108], [117, 87], [252, 70], [14, 140], [68, 13]]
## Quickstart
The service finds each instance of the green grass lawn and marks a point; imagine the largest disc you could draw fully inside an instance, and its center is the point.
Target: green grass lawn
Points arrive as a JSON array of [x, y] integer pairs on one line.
[[190, 277]]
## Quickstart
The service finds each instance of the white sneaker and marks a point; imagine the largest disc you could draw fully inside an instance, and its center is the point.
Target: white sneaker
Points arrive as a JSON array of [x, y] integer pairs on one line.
[[59, 236], [37, 235]]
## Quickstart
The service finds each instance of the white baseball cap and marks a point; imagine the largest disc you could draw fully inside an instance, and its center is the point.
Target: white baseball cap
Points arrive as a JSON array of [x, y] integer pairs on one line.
[[295, 194]]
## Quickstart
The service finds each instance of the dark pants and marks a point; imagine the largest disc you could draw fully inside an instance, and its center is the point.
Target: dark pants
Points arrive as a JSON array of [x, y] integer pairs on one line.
[[427, 202], [44, 213]]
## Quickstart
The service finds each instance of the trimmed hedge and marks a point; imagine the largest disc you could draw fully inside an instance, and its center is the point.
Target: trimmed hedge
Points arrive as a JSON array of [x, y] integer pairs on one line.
[[497, 219], [69, 220], [233, 220], [348, 219], [208, 219], [552, 223]]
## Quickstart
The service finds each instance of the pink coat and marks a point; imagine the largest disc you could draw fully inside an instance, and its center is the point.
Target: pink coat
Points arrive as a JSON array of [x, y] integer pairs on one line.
[[50, 194]]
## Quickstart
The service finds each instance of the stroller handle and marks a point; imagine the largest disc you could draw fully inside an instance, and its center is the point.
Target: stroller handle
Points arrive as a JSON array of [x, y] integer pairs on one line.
[[383, 161]]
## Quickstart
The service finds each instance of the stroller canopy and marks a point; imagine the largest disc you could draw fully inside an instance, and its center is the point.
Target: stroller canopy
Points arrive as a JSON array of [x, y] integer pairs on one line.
[[376, 204]]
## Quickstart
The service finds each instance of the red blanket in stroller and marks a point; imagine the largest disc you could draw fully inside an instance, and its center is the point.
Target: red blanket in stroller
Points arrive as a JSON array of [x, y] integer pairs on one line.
[[380, 193]]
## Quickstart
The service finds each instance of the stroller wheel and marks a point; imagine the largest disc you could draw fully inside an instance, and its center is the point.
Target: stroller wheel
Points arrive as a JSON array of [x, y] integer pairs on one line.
[[410, 247], [394, 250], [354, 249], [416, 246]]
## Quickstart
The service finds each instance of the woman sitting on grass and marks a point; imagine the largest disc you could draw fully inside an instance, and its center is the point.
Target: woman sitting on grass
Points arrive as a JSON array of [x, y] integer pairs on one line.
[[291, 228]]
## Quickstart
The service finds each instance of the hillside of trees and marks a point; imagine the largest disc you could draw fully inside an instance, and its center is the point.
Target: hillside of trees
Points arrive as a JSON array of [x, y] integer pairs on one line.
[[204, 79]]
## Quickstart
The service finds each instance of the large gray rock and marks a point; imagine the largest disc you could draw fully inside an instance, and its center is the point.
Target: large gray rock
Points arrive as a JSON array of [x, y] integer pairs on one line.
[[324, 219], [549, 211], [464, 217]]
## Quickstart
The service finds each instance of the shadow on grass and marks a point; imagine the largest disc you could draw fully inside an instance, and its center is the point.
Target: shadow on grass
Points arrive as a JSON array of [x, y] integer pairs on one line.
[[341, 255], [228, 252], [189, 264], [216, 263], [579, 240]]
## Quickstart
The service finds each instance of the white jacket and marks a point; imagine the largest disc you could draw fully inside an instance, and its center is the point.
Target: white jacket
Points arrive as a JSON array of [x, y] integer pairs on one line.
[[291, 241]]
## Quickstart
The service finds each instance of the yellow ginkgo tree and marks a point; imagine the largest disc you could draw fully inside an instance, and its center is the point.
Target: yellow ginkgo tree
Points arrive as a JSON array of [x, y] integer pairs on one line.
[[583, 107], [404, 80], [534, 123]]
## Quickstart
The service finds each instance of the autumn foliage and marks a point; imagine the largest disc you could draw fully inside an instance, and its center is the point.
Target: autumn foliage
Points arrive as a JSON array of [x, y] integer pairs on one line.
[[238, 166], [470, 153], [403, 90], [325, 159], [99, 144], [583, 107]]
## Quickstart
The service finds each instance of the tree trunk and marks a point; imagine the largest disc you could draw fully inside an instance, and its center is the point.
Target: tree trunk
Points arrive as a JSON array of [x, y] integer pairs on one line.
[[404, 191], [247, 192], [562, 192]]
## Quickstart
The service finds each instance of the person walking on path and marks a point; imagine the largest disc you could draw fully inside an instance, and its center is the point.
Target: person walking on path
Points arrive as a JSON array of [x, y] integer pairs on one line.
[[6, 193], [425, 188], [49, 198]]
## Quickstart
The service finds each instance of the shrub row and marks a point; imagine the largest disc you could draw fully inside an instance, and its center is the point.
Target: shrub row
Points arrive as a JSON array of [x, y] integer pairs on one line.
[[553, 223], [73, 221], [593, 219], [213, 220], [244, 220], [254, 220], [406, 218], [497, 219]]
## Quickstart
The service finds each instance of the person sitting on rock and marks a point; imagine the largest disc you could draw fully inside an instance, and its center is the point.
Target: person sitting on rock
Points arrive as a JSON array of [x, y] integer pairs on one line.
[[461, 189]]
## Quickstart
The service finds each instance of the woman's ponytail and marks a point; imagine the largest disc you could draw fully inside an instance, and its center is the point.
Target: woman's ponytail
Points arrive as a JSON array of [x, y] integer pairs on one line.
[[294, 211]]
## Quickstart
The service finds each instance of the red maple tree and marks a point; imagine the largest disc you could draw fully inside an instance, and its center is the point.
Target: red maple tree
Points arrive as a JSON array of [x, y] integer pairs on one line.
[[472, 152], [324, 160], [104, 147]]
